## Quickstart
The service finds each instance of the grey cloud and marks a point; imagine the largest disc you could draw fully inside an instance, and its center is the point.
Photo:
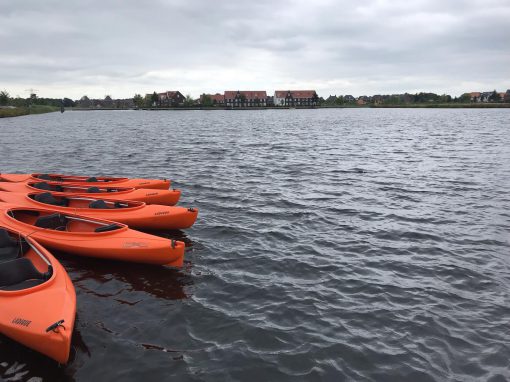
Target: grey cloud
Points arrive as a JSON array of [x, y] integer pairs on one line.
[[124, 47]]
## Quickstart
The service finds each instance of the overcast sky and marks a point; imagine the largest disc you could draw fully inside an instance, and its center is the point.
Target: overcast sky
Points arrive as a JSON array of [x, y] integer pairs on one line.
[[119, 48]]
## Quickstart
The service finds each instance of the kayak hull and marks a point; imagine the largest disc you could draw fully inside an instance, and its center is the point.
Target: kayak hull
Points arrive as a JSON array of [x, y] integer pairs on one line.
[[27, 314], [137, 248], [80, 238], [146, 195], [141, 216], [162, 184]]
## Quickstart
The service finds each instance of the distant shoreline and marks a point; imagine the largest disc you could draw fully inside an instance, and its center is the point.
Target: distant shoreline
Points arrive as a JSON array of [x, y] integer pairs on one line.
[[410, 106], [40, 109]]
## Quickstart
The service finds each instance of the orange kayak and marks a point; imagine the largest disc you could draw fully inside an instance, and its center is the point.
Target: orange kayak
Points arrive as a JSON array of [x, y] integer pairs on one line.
[[91, 237], [36, 295], [134, 214], [90, 181], [146, 195]]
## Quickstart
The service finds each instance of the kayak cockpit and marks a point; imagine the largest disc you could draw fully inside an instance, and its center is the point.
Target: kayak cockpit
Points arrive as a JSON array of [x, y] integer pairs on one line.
[[46, 186], [74, 189], [22, 265], [81, 202], [70, 178], [62, 222]]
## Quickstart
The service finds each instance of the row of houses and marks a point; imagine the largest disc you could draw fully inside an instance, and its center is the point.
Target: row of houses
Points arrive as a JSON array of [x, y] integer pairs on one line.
[[243, 98], [489, 96], [282, 98]]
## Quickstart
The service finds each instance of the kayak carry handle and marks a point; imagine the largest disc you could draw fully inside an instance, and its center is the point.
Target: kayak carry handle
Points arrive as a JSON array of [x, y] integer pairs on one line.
[[55, 326], [173, 244]]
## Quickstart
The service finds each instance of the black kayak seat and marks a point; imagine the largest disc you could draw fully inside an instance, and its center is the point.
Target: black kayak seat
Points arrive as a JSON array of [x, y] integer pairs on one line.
[[42, 186], [9, 247], [106, 228], [19, 271], [53, 221], [92, 179], [99, 204], [8, 253], [46, 187], [49, 177], [6, 239], [22, 285], [93, 190], [48, 198]]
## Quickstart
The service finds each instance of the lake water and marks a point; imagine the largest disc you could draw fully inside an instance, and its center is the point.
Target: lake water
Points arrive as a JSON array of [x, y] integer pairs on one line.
[[341, 244]]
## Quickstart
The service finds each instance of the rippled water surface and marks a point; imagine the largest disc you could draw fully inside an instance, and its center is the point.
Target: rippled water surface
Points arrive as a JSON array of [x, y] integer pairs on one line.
[[346, 244]]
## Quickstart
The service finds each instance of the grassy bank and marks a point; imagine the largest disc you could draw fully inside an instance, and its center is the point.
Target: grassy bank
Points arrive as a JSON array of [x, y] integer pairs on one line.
[[34, 109]]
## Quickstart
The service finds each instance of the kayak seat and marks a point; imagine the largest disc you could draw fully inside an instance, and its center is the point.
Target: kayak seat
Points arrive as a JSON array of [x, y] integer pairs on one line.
[[42, 186], [46, 187], [99, 204], [22, 285], [106, 228], [48, 198], [93, 190], [92, 179], [9, 247], [53, 221], [16, 273], [49, 177], [6, 239]]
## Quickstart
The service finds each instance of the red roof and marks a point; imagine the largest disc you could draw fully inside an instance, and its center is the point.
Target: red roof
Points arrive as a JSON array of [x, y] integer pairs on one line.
[[249, 94], [217, 97], [168, 94], [295, 93]]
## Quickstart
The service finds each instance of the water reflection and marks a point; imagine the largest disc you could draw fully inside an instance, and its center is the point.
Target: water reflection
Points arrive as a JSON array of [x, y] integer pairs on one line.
[[161, 282], [19, 363]]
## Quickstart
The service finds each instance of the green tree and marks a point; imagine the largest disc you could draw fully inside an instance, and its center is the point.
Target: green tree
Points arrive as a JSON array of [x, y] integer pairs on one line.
[[147, 100], [68, 102], [4, 98], [207, 100], [154, 99], [108, 102], [465, 98], [138, 100], [331, 100], [494, 97], [85, 102], [18, 101], [189, 101]]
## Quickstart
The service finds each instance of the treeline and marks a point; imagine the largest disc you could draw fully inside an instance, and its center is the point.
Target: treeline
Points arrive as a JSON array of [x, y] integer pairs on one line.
[[138, 101], [418, 98], [7, 100], [151, 100]]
